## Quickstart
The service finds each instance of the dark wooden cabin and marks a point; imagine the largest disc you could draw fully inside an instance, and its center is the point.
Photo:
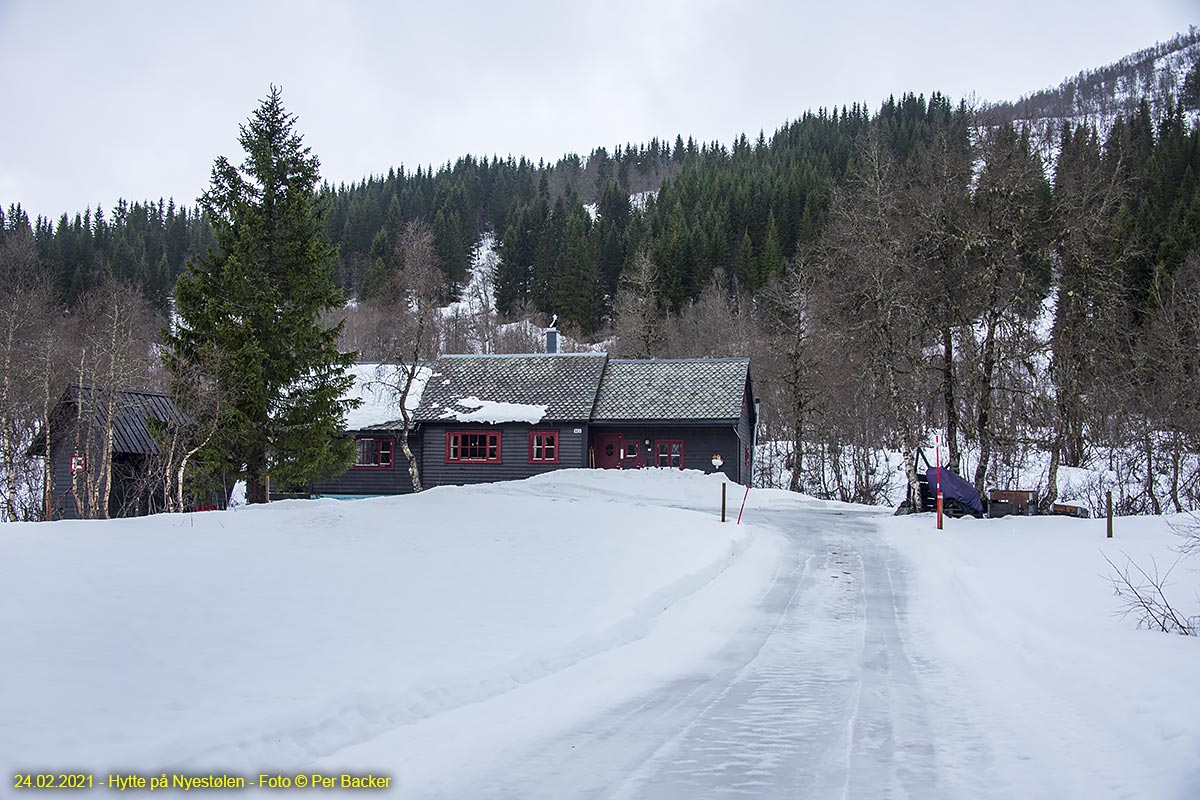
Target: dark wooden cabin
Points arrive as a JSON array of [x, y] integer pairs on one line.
[[77, 425], [506, 417]]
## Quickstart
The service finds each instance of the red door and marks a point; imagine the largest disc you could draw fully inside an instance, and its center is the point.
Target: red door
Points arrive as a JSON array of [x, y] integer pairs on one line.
[[609, 448]]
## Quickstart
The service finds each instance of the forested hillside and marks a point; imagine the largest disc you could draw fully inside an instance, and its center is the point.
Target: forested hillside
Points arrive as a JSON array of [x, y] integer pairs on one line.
[[921, 266], [1160, 75]]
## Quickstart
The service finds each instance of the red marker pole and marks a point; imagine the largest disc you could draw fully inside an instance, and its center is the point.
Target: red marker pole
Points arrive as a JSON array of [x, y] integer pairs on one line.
[[743, 508], [937, 454]]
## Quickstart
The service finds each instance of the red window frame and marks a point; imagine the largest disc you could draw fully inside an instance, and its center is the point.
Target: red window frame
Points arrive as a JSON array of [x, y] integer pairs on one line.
[[658, 455], [483, 446], [549, 440], [385, 445]]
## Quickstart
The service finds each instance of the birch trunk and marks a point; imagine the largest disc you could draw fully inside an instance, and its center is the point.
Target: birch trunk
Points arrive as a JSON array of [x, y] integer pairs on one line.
[[10, 476]]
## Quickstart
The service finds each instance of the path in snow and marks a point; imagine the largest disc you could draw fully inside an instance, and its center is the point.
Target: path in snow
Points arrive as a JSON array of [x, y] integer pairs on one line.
[[817, 697]]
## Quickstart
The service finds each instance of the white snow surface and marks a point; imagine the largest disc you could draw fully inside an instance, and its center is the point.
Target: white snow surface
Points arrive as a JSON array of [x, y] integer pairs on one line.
[[602, 634], [374, 385], [493, 411], [271, 636]]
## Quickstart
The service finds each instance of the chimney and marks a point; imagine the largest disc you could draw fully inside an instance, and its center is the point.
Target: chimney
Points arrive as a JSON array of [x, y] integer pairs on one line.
[[551, 340]]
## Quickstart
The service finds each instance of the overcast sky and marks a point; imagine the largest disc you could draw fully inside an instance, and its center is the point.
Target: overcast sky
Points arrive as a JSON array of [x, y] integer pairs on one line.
[[136, 99]]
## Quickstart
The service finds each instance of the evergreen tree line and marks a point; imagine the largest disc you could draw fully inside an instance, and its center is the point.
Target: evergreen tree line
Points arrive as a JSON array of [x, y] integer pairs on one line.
[[143, 244]]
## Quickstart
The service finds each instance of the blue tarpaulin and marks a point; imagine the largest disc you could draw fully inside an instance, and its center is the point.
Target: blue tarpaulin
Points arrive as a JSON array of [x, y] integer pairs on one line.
[[955, 487]]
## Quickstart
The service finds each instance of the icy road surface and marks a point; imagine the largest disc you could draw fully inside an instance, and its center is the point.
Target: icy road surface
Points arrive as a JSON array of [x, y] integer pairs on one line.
[[817, 696]]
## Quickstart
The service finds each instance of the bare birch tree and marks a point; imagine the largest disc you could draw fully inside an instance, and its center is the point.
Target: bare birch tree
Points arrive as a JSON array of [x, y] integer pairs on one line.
[[871, 296], [26, 325], [407, 334]]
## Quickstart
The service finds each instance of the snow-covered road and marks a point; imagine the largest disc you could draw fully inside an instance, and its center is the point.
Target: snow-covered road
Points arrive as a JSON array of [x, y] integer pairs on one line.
[[816, 696]]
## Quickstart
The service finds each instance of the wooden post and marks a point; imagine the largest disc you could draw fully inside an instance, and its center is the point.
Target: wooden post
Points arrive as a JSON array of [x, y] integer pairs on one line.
[[1109, 504], [937, 451], [723, 485]]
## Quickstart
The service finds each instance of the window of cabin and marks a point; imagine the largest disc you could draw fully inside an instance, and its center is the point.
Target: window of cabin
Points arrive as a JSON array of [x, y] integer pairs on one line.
[[373, 454], [669, 453], [473, 447], [543, 447]]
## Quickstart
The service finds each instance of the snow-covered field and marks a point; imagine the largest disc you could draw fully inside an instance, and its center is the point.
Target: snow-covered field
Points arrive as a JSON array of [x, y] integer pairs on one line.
[[1037, 664], [273, 636], [593, 633]]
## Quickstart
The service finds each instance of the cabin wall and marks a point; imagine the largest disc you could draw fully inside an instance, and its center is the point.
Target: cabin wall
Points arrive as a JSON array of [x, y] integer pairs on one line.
[[514, 453], [745, 432], [129, 494], [376, 480], [700, 442], [62, 502]]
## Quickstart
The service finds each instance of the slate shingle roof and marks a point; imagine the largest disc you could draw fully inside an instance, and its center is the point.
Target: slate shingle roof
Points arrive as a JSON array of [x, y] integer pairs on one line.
[[566, 383], [686, 389]]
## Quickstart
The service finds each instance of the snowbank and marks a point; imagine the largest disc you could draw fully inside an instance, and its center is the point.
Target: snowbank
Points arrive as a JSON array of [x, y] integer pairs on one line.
[[273, 637]]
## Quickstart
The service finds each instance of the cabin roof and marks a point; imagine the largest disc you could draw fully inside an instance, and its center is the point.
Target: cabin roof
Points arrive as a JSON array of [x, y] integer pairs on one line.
[[683, 389], [562, 385]]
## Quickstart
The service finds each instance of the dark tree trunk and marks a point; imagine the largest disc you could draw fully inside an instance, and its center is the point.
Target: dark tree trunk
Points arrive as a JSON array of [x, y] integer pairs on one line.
[[1154, 503], [948, 396], [257, 486], [983, 422]]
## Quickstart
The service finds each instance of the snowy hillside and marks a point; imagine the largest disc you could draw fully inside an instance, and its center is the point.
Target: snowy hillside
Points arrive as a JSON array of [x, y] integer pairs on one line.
[[1096, 97], [469, 325], [594, 633]]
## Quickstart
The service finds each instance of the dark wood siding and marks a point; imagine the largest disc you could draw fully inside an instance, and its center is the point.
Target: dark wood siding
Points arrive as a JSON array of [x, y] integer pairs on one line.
[[373, 481], [61, 500], [514, 453], [745, 432], [129, 495], [700, 441]]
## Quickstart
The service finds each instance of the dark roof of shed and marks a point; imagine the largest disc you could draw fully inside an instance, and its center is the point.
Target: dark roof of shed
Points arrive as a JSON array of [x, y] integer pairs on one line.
[[133, 408], [566, 383], [685, 389]]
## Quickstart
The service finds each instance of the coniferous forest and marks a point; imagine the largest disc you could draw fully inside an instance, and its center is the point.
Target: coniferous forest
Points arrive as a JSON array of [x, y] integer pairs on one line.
[[1029, 290]]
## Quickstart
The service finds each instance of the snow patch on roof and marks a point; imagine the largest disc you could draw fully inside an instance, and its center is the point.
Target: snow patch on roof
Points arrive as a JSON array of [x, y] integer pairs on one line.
[[493, 412], [376, 386]]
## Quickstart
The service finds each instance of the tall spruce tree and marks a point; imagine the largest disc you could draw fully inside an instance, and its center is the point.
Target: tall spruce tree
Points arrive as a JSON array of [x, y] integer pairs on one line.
[[257, 299]]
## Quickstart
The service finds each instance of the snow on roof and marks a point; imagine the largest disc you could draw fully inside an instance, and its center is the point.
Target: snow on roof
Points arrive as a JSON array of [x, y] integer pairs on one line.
[[375, 385], [494, 412]]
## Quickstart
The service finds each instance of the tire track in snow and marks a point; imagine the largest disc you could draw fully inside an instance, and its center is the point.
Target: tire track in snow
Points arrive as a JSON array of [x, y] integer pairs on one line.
[[817, 698]]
